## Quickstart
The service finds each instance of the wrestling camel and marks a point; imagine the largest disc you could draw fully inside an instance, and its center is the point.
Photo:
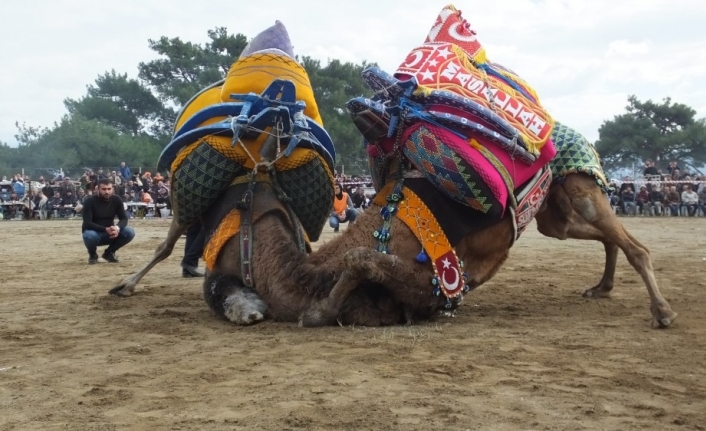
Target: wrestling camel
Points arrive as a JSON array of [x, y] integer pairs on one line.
[[383, 270]]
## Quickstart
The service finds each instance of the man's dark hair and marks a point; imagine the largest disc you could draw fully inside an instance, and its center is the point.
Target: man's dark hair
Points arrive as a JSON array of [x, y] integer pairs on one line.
[[105, 181]]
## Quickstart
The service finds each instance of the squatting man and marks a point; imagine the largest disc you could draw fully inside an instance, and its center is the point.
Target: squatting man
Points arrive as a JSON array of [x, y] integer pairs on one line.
[[99, 228]]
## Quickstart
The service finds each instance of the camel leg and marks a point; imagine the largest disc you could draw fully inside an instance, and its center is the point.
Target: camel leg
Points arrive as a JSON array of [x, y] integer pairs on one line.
[[229, 299], [593, 218], [405, 280], [127, 286], [603, 288], [325, 311]]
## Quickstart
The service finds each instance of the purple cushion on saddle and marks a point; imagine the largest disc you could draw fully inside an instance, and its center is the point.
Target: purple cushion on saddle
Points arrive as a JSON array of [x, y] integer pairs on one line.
[[519, 172]]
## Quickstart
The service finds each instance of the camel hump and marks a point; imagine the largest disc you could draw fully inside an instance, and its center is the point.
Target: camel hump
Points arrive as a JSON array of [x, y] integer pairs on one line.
[[220, 135], [574, 154]]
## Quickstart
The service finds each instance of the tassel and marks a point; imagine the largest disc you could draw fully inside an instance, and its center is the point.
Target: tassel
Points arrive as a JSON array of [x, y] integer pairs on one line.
[[422, 257]]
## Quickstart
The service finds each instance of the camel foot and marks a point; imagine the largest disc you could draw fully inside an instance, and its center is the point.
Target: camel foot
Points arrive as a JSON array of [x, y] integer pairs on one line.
[[123, 290], [662, 317], [244, 307], [320, 314], [597, 292]]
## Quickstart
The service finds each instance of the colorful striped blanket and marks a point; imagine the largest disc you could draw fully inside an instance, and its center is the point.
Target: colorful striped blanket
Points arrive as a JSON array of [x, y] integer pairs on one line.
[[473, 128]]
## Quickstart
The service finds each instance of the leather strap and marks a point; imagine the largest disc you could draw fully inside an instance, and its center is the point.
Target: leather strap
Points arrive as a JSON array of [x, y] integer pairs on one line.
[[246, 237]]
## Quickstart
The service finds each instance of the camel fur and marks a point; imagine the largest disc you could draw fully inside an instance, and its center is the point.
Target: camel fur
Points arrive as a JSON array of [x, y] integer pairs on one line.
[[347, 281]]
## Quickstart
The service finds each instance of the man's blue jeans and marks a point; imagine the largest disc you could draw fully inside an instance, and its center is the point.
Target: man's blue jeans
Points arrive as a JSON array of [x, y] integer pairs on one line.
[[334, 221], [92, 239]]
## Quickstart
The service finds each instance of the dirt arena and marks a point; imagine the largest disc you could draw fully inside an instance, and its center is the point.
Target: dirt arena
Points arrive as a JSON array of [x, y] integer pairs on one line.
[[525, 351]]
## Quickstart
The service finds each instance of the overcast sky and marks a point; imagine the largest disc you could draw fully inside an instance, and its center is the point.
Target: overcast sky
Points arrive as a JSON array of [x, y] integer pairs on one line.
[[584, 57]]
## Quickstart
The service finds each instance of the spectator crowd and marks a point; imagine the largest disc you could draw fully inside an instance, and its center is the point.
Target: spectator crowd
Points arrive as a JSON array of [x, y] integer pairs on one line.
[[674, 193], [63, 196]]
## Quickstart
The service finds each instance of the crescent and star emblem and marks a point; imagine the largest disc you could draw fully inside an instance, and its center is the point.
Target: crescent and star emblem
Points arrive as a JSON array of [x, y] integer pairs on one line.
[[451, 286], [417, 58]]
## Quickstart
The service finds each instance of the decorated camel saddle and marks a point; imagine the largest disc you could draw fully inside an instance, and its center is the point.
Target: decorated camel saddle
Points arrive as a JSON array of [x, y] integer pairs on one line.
[[452, 130], [574, 154], [258, 129]]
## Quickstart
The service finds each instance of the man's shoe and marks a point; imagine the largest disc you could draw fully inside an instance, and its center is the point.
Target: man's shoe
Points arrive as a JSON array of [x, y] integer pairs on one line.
[[92, 258], [335, 229], [191, 271], [110, 256]]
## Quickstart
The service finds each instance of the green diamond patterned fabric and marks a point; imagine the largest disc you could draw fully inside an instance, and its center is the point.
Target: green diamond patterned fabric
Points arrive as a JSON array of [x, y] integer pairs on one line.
[[574, 154], [202, 176], [311, 190]]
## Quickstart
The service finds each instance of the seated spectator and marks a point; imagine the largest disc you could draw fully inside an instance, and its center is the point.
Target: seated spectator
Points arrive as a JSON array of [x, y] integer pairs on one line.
[[47, 189], [130, 186], [81, 197], [54, 205], [162, 193], [18, 185], [610, 192], [628, 198], [40, 205], [360, 202], [117, 178], [145, 176], [147, 184], [67, 186], [655, 200], [161, 196], [673, 201], [69, 202], [12, 210], [643, 198], [690, 200], [145, 197], [28, 205]]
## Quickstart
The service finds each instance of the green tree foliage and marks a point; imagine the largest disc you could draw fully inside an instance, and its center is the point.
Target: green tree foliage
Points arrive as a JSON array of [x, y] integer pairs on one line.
[[125, 104], [9, 163], [334, 85], [185, 67], [77, 142], [652, 131]]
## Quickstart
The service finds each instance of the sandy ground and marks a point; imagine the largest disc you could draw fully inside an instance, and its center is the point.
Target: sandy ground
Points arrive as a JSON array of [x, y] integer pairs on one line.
[[525, 351]]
